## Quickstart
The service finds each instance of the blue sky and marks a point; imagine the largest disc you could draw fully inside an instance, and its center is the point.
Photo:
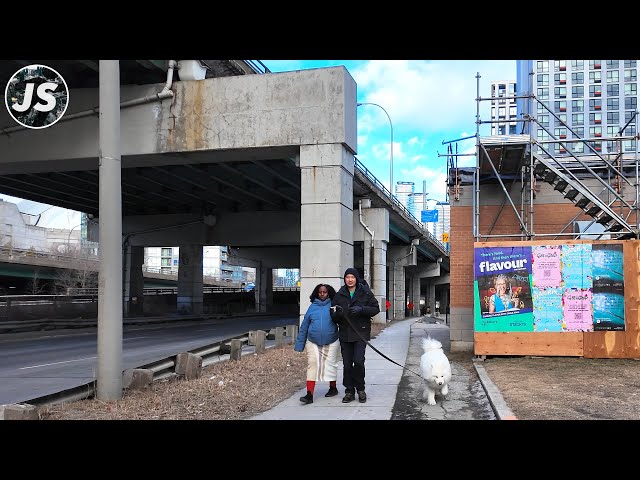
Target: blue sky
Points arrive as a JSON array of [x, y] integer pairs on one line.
[[428, 101]]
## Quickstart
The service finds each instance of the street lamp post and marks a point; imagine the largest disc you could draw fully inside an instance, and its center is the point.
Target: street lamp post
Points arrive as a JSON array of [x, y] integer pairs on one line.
[[390, 146], [69, 238]]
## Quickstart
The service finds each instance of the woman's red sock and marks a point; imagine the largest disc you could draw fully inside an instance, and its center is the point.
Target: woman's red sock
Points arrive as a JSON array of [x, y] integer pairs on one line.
[[332, 384], [310, 386]]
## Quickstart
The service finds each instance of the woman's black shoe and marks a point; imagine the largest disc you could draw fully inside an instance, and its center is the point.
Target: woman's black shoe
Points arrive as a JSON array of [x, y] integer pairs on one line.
[[308, 398], [332, 392]]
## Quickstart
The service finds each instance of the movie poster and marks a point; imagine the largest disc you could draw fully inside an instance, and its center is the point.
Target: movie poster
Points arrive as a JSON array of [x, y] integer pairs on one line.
[[503, 289]]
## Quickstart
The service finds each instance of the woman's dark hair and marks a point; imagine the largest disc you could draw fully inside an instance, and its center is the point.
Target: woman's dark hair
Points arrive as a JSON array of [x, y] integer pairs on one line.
[[314, 294]]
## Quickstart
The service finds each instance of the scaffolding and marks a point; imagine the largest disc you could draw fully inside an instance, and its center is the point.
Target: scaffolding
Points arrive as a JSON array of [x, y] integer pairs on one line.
[[604, 187]]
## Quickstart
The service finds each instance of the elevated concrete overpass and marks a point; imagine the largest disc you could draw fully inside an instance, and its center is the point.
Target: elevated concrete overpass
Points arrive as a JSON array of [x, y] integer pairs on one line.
[[264, 163]]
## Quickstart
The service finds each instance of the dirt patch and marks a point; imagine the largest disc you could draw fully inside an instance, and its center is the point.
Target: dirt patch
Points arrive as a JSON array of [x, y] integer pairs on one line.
[[567, 388], [228, 390]]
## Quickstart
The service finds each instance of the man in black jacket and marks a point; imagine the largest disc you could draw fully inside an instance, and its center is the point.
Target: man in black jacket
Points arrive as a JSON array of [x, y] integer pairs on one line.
[[354, 304]]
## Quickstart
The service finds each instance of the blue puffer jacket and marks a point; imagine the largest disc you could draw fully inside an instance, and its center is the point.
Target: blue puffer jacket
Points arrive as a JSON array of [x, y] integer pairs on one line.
[[317, 325]]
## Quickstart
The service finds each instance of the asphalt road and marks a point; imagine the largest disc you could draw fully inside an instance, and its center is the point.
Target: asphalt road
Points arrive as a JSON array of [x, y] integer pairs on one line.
[[32, 367]]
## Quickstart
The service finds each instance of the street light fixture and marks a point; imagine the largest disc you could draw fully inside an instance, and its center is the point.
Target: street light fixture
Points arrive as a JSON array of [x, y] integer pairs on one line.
[[390, 146]]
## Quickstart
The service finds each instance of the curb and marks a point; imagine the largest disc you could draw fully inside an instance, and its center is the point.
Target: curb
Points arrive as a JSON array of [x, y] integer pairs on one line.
[[498, 404]]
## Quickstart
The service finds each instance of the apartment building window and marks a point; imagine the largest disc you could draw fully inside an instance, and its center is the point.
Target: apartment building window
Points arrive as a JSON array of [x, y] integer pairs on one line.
[[595, 104], [628, 116], [595, 118], [630, 103], [493, 90], [543, 80], [560, 106], [559, 78], [629, 145], [613, 76], [595, 77], [501, 129], [577, 119], [543, 93], [613, 90], [502, 112], [560, 65], [578, 147], [542, 66], [562, 119], [613, 103], [493, 112], [630, 89], [613, 118], [542, 108], [512, 89], [595, 64], [560, 133], [630, 130], [595, 90], [595, 132], [560, 92], [577, 64], [629, 63], [612, 130], [513, 112], [165, 262], [166, 252], [577, 105], [630, 75], [543, 120], [502, 89], [542, 134], [577, 78], [612, 64], [512, 129], [579, 132], [577, 91]]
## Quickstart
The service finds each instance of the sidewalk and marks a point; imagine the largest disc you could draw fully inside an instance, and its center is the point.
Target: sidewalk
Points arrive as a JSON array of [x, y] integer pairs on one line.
[[382, 379], [395, 393]]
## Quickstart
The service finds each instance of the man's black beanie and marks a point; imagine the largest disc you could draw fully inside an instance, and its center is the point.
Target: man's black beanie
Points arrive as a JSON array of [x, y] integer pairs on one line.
[[353, 272]]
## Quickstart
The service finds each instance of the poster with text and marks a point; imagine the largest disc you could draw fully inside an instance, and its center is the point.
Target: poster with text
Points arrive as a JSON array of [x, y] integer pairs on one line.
[[548, 315], [608, 287], [576, 266], [503, 289], [576, 307]]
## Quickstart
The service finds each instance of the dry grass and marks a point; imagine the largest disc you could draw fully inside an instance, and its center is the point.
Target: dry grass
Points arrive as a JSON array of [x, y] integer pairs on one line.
[[228, 390]]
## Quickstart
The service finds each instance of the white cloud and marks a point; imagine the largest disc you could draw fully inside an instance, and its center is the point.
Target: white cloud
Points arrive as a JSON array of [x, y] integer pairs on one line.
[[432, 96]]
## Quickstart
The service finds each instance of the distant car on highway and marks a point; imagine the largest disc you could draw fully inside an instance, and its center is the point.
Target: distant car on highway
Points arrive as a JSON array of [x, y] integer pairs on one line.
[[249, 287]]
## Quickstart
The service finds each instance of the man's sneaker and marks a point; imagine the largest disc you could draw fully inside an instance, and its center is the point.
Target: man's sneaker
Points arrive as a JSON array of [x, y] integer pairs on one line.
[[308, 398], [362, 396], [348, 397], [332, 392]]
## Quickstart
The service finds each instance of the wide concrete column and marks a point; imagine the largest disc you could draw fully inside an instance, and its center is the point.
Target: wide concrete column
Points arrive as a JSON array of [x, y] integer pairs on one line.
[[326, 226], [133, 281], [399, 257], [431, 296], [264, 288], [190, 295], [373, 224], [414, 295]]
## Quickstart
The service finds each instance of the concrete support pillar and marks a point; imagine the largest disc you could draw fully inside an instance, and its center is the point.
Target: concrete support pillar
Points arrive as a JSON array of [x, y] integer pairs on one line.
[[264, 289], [414, 295], [133, 281], [326, 230], [190, 295], [379, 284], [431, 297], [399, 257]]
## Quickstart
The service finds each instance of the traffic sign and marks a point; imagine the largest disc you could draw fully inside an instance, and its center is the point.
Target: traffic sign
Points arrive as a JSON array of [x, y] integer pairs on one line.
[[445, 237]]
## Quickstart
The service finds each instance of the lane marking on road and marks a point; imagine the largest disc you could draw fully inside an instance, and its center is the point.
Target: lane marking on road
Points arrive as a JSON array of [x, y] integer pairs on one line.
[[57, 363]]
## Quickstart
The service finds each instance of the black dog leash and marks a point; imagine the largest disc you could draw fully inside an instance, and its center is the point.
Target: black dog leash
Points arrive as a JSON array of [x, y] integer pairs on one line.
[[375, 349]]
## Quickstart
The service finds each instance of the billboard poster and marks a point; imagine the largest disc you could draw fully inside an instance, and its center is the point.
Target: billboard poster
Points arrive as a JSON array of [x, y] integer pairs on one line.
[[503, 289], [608, 287], [549, 288]]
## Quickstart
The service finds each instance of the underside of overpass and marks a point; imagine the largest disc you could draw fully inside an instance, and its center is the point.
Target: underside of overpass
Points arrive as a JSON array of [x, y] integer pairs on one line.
[[205, 168]]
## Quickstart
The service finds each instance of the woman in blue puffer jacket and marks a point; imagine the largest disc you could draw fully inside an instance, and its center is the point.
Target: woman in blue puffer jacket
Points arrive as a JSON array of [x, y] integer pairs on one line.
[[319, 335]]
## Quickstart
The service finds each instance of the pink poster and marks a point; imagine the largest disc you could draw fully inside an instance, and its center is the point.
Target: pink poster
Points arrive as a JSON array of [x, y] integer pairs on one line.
[[576, 306], [546, 266]]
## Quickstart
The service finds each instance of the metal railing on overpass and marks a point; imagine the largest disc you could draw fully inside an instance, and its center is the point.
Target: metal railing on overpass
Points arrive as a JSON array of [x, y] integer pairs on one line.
[[404, 211]]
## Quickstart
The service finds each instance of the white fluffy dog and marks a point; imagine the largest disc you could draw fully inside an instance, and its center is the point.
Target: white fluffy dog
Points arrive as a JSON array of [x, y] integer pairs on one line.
[[436, 370]]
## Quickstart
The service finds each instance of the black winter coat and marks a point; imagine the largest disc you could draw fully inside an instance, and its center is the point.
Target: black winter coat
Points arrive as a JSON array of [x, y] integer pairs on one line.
[[362, 296]]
